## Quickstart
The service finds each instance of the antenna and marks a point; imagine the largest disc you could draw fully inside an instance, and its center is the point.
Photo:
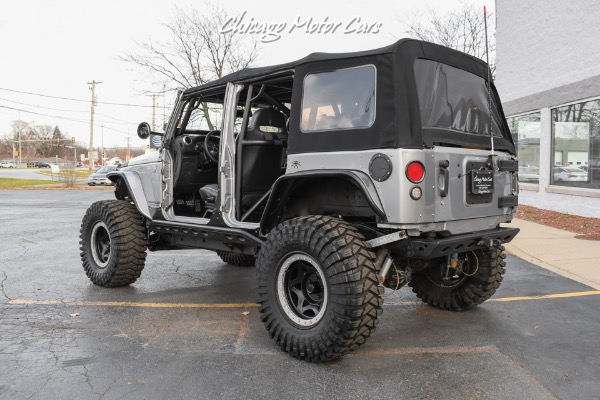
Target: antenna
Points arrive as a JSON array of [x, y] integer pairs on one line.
[[487, 60]]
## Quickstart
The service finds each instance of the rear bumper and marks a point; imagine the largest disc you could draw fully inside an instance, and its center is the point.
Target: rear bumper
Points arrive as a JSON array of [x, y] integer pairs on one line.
[[438, 247]]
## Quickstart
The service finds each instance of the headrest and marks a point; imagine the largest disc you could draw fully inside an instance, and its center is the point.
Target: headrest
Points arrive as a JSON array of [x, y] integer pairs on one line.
[[267, 117]]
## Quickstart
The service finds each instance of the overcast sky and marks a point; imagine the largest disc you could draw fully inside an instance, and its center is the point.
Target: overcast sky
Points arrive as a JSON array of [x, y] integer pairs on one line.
[[56, 47]]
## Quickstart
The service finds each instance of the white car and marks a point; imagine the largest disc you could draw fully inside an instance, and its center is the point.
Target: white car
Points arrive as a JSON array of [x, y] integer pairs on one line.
[[99, 176], [528, 175], [569, 174], [7, 164]]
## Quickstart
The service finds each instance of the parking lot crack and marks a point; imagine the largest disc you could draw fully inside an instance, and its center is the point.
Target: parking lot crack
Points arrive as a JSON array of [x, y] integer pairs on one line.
[[5, 277], [34, 394], [121, 376], [88, 379]]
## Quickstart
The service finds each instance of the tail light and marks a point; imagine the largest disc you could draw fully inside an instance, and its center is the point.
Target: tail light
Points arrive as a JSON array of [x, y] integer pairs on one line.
[[415, 171]]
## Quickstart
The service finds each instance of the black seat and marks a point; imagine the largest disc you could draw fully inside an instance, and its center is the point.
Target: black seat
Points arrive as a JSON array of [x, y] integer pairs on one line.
[[209, 194], [262, 154]]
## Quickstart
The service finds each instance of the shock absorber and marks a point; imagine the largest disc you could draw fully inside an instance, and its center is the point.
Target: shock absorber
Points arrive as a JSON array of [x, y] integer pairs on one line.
[[451, 266]]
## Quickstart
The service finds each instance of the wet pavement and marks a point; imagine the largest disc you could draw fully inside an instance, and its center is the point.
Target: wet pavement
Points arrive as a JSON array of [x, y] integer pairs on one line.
[[189, 328]]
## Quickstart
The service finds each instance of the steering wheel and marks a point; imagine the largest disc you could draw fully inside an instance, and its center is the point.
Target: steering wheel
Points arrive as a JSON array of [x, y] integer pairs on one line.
[[211, 149]]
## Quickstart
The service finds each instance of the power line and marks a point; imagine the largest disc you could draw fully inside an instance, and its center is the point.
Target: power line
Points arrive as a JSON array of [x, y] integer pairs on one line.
[[117, 119], [44, 115], [71, 99], [68, 118], [116, 130], [46, 108]]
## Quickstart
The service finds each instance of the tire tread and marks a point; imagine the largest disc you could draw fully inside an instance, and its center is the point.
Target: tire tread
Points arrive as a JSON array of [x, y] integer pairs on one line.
[[128, 242], [355, 294]]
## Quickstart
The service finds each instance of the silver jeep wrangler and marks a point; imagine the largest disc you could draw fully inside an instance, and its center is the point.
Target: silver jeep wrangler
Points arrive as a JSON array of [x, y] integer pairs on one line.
[[336, 175]]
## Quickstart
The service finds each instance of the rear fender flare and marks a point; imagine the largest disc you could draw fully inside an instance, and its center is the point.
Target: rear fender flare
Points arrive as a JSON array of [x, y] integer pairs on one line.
[[286, 183]]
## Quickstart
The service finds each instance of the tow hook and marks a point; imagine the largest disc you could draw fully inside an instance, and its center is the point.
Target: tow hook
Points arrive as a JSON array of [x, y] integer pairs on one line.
[[489, 243]]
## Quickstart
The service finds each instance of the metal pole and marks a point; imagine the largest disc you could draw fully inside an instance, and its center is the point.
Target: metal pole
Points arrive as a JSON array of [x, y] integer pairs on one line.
[[19, 148], [102, 155]]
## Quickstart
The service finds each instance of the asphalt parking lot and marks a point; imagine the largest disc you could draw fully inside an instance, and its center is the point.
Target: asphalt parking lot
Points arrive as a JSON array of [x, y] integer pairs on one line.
[[189, 328]]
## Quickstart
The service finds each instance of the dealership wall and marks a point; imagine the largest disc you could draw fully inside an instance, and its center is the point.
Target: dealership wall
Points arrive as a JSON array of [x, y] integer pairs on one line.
[[545, 44], [548, 77]]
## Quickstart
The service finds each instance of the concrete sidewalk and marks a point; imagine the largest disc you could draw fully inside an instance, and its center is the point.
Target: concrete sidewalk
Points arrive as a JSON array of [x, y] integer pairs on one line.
[[557, 251]]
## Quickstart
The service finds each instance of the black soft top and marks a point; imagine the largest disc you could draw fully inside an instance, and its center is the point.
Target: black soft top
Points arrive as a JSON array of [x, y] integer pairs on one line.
[[399, 121], [403, 47]]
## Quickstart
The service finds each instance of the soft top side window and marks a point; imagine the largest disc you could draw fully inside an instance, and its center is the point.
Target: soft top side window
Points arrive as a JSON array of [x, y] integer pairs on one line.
[[337, 100]]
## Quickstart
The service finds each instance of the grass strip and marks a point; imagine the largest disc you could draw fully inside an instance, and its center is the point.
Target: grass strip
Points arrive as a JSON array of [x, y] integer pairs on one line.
[[13, 182]]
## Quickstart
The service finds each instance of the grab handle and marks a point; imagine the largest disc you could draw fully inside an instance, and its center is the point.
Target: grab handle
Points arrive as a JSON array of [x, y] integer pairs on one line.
[[444, 164]]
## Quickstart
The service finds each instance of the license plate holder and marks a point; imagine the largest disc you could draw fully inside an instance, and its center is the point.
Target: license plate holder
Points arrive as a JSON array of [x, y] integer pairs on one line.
[[482, 182]]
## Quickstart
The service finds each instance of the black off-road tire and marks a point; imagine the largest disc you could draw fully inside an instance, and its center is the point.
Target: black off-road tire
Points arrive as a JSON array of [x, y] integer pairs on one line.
[[237, 259], [332, 255], [113, 243], [468, 293]]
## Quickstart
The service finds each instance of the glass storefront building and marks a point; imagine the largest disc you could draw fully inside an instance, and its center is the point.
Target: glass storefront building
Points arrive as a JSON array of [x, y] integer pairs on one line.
[[576, 145], [550, 91], [574, 159], [526, 135]]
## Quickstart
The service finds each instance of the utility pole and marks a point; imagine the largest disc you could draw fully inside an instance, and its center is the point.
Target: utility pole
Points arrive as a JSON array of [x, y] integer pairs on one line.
[[128, 150], [19, 142], [91, 150], [164, 107], [19, 148], [154, 112]]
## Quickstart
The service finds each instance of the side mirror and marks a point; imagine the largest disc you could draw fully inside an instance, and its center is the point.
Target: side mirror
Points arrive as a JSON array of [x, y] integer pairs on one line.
[[143, 130]]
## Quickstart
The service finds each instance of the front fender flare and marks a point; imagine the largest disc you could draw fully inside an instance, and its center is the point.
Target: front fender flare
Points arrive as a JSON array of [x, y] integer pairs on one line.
[[135, 188]]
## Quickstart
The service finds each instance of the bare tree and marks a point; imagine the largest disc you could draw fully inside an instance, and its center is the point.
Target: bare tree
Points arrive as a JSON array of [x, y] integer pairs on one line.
[[45, 134], [196, 53], [461, 28], [6, 148], [37, 141]]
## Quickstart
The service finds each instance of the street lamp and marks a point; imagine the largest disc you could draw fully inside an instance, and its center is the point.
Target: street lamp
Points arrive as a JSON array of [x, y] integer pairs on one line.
[[74, 154]]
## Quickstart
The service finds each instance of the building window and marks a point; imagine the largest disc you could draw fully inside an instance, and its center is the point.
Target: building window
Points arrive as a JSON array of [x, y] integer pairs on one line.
[[342, 99], [526, 130], [576, 145]]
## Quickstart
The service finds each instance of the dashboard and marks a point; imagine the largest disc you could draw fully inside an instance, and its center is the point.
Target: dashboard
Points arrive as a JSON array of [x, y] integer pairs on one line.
[[192, 167]]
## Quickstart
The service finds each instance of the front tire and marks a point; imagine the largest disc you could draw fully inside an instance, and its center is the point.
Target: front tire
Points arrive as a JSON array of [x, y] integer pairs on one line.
[[318, 289], [113, 243], [481, 278]]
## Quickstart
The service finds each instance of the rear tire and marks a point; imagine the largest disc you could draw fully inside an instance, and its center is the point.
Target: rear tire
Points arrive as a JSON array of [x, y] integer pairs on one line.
[[237, 259], [113, 243], [466, 291], [318, 289]]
